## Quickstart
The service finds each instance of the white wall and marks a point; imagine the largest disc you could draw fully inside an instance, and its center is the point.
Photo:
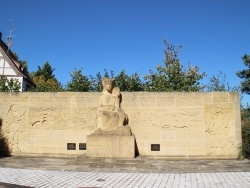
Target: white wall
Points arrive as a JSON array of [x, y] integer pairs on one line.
[[7, 70]]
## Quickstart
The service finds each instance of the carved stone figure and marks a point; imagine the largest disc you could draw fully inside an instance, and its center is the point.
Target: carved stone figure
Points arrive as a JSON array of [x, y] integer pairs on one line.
[[111, 119]]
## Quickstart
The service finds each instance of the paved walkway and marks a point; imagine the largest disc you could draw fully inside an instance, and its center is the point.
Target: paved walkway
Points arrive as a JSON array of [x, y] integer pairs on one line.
[[140, 172]]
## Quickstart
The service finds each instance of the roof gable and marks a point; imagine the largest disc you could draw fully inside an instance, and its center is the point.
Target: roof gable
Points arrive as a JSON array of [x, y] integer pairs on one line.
[[9, 57]]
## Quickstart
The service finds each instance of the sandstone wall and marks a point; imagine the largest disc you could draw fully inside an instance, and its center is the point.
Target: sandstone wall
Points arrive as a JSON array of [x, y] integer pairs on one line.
[[204, 125]]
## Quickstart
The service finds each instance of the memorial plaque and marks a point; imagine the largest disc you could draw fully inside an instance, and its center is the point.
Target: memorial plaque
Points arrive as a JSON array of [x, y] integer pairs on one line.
[[71, 146], [155, 147], [82, 146]]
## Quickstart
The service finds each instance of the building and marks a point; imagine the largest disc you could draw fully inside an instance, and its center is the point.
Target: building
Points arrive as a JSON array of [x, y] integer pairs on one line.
[[11, 68]]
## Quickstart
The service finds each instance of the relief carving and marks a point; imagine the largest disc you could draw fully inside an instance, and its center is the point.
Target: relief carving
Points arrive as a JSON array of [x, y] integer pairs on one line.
[[62, 119], [15, 120], [218, 120], [181, 119], [218, 130], [44, 118], [220, 145], [169, 118]]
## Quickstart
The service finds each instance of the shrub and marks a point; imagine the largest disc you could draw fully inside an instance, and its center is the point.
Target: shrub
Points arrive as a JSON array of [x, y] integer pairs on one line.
[[245, 120]]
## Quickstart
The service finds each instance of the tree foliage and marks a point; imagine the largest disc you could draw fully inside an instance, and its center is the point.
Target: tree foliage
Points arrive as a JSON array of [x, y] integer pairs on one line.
[[23, 63], [245, 122], [245, 112], [171, 76], [46, 70], [245, 75], [219, 83], [129, 83], [45, 79], [44, 85], [79, 82], [96, 82], [107, 74], [9, 84], [122, 80]]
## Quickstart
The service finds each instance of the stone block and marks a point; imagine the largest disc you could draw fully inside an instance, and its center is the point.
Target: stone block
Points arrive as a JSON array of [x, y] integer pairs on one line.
[[168, 135], [182, 101], [220, 97], [181, 135], [110, 146], [153, 135], [165, 101], [196, 152]]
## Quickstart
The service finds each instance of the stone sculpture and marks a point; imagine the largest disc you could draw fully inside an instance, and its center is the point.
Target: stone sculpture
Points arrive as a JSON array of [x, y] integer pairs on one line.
[[111, 119], [113, 136]]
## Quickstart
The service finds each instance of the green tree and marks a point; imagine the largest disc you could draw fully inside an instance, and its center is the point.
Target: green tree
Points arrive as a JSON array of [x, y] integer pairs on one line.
[[9, 84], [78, 82], [45, 79], [46, 70], [128, 83], [44, 85], [171, 76], [245, 112], [96, 82], [136, 83], [245, 122], [245, 75], [219, 83], [122, 80], [23, 63], [107, 74]]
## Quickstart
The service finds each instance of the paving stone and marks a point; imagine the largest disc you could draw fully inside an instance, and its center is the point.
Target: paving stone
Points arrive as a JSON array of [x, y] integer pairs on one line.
[[26, 171]]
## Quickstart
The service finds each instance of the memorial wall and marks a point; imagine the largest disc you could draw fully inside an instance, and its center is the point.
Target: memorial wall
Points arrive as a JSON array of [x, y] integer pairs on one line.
[[164, 124]]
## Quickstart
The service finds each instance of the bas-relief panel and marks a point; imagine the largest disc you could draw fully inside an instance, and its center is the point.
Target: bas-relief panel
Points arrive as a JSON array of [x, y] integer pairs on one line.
[[184, 118], [14, 121], [219, 129], [219, 120], [62, 118], [48, 118], [220, 145]]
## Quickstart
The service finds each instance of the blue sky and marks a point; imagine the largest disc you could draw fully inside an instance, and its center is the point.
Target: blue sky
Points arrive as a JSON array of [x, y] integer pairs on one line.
[[128, 34]]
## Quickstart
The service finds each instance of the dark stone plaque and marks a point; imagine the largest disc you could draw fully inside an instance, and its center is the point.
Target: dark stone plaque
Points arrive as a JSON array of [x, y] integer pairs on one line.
[[155, 147], [82, 146], [71, 146]]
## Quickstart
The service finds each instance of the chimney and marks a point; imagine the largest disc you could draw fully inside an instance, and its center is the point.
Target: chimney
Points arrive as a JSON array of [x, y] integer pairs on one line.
[[0, 36]]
